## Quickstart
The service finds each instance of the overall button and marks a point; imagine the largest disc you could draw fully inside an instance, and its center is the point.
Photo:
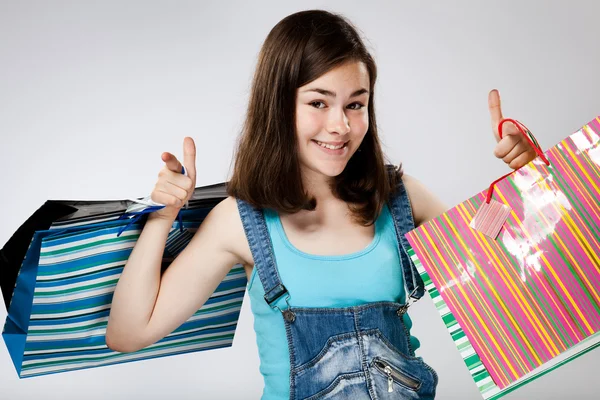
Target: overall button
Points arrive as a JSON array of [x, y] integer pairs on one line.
[[289, 315]]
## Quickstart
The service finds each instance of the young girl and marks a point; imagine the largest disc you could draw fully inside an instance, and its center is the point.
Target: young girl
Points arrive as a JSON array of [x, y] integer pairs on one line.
[[315, 217]]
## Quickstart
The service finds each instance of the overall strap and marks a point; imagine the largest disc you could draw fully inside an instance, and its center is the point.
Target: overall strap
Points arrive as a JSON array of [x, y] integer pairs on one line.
[[402, 215], [261, 247]]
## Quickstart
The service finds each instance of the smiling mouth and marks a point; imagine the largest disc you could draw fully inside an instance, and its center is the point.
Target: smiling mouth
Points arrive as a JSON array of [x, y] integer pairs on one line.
[[330, 146]]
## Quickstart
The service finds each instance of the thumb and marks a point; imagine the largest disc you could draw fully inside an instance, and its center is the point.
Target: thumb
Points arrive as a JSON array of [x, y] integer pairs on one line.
[[495, 111], [189, 157]]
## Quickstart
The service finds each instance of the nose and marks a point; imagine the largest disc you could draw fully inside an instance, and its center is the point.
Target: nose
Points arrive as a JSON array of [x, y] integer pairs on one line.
[[338, 122]]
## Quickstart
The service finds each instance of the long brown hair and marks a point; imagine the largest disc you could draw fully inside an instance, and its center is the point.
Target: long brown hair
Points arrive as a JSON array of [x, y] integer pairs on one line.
[[299, 49]]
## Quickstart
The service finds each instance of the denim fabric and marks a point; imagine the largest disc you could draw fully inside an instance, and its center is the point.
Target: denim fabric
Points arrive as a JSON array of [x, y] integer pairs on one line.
[[371, 274], [358, 352], [333, 352]]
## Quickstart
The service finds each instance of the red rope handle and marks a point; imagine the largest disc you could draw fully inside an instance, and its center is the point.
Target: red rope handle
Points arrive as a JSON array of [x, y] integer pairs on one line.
[[490, 192], [521, 127]]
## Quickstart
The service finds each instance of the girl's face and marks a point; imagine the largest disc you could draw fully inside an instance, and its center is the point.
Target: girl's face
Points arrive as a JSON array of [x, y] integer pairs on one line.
[[332, 119]]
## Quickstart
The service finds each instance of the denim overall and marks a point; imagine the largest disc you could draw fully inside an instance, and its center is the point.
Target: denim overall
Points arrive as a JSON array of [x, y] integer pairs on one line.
[[359, 352]]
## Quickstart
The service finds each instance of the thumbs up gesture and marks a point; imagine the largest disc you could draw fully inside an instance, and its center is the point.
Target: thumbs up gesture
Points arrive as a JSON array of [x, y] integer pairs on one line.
[[513, 148], [173, 188]]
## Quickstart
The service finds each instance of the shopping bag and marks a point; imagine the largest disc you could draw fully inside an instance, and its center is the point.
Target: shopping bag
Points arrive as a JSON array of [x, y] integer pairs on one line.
[[59, 272], [515, 270]]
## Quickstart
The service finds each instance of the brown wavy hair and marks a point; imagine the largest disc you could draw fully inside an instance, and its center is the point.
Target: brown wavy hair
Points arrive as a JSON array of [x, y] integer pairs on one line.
[[299, 49]]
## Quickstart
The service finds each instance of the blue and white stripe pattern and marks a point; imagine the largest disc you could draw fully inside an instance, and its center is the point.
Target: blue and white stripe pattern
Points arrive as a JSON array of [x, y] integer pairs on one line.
[[69, 287]]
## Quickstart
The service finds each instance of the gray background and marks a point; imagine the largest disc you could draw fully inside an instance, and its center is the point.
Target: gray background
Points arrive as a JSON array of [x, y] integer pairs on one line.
[[91, 93]]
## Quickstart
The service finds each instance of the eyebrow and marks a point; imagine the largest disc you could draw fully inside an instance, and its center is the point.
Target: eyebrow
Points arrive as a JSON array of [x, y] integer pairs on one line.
[[333, 94]]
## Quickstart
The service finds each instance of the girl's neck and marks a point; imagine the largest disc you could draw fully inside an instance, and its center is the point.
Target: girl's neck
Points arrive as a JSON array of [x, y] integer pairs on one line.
[[318, 186]]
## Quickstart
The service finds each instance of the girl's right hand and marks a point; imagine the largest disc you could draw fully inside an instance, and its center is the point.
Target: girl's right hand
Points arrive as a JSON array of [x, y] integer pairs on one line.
[[173, 188]]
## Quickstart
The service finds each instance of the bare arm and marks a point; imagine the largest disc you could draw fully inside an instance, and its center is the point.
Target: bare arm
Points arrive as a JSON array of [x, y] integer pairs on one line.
[[146, 307], [425, 204]]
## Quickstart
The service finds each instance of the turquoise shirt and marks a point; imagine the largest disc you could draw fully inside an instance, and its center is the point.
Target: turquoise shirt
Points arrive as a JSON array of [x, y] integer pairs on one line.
[[372, 274]]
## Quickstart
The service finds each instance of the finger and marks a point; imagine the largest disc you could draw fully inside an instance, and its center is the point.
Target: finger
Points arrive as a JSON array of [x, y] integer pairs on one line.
[[519, 149], [495, 111], [176, 178], [171, 161], [523, 159], [174, 189], [505, 146], [189, 157]]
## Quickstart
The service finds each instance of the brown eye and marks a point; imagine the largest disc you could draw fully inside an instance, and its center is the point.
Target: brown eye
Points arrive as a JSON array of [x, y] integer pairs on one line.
[[316, 102], [358, 104]]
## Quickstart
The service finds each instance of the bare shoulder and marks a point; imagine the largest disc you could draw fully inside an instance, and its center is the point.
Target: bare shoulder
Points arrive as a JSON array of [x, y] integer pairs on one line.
[[225, 225], [425, 204]]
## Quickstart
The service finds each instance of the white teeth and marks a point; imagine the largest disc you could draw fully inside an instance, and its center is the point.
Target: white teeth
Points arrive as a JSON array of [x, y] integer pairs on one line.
[[328, 146]]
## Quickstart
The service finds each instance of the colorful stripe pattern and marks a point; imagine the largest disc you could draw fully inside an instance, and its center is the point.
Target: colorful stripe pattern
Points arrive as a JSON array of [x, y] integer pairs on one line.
[[525, 298], [487, 388], [77, 274]]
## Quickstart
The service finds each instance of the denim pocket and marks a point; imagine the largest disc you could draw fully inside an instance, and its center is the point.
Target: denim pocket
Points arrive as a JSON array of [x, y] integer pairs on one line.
[[343, 343], [346, 386], [395, 375], [333, 370], [380, 339], [395, 384]]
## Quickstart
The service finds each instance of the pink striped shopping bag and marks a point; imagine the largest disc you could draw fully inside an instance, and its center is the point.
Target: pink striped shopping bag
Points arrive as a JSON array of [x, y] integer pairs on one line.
[[515, 270]]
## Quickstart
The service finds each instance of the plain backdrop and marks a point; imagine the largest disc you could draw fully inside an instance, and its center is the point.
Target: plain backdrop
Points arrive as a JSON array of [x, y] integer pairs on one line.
[[91, 94]]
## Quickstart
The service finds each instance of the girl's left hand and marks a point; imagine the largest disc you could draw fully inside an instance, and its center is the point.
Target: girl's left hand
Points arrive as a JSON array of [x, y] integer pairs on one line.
[[513, 148]]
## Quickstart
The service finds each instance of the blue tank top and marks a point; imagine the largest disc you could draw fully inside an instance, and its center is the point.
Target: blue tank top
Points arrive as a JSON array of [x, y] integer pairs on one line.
[[372, 274]]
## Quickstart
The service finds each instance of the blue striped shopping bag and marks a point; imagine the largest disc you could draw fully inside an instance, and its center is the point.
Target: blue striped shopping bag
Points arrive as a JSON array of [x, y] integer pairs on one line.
[[62, 266]]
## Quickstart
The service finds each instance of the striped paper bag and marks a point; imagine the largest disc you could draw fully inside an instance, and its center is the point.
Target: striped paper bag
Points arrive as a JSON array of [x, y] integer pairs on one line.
[[523, 299], [59, 309]]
